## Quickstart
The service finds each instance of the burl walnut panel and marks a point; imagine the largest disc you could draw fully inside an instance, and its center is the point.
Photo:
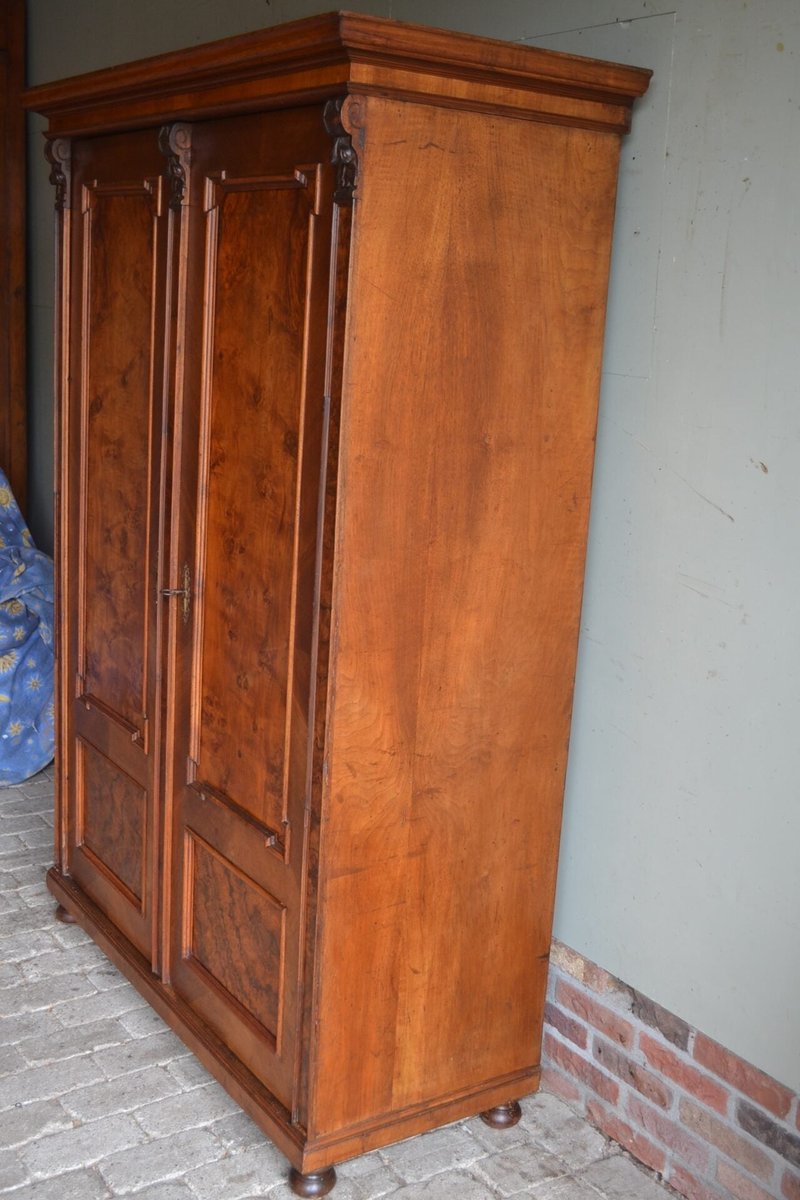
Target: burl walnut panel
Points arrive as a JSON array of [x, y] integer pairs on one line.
[[117, 340], [235, 933], [112, 822], [255, 347]]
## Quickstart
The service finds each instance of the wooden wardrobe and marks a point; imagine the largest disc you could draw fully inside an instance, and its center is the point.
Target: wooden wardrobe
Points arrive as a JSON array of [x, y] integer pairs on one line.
[[331, 307]]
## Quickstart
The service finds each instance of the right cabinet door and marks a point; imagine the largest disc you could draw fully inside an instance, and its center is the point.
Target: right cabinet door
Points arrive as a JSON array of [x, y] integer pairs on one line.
[[252, 351]]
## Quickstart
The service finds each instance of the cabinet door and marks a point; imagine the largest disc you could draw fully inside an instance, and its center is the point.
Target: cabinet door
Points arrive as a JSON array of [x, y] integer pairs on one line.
[[110, 556], [257, 266]]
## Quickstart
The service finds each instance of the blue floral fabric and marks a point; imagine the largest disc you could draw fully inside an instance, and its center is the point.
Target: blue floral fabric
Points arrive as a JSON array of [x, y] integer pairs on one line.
[[27, 734]]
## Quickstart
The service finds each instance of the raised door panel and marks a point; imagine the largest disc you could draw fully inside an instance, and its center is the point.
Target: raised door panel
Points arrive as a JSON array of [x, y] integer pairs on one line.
[[252, 435], [113, 478], [115, 612], [258, 251]]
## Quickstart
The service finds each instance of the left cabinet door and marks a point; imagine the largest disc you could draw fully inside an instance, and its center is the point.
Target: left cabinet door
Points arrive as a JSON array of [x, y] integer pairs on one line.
[[113, 484]]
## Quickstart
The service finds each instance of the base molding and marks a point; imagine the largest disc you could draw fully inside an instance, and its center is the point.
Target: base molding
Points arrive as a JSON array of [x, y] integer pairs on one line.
[[309, 1154]]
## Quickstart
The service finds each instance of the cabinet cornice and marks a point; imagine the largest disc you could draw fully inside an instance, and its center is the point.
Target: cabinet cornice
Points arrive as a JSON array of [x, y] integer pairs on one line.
[[338, 52]]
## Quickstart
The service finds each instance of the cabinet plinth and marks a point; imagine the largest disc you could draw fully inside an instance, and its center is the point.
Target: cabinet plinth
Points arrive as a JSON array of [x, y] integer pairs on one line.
[[331, 308]]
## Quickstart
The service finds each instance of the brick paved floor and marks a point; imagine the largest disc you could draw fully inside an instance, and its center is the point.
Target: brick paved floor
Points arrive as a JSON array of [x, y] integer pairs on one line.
[[99, 1099]]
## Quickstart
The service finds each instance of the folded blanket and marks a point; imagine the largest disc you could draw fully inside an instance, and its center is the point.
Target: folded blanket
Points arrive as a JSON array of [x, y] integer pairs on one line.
[[27, 734]]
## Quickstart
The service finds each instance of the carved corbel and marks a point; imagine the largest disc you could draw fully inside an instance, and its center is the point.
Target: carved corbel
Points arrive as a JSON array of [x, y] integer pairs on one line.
[[175, 143], [58, 152], [343, 154]]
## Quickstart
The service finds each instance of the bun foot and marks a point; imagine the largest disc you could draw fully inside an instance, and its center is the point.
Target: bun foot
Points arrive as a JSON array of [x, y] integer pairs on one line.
[[316, 1183], [503, 1116], [66, 918]]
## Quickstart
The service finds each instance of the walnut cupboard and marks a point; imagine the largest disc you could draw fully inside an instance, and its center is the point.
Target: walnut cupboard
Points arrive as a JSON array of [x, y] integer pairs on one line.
[[331, 305]]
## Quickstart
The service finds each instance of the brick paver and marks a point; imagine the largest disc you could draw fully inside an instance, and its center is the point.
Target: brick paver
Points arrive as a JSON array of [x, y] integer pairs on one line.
[[98, 1099]]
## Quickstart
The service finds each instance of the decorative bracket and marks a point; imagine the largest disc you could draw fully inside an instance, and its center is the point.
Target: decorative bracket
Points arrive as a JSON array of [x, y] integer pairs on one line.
[[58, 152], [175, 142], [343, 155]]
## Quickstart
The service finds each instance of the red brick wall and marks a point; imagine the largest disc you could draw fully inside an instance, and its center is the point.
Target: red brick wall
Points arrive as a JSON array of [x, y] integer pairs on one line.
[[709, 1123]]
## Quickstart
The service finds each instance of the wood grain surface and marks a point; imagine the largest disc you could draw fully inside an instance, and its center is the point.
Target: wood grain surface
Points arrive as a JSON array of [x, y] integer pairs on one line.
[[465, 477]]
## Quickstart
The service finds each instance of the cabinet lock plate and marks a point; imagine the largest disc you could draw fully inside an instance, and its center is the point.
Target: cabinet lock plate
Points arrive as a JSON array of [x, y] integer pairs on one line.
[[185, 591]]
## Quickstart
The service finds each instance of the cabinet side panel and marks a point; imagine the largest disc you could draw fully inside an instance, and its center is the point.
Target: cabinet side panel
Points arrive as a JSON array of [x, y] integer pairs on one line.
[[472, 369]]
